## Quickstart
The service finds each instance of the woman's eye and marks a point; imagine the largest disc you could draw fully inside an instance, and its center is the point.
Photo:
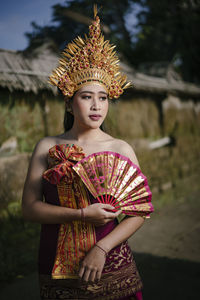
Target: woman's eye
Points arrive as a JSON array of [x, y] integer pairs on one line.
[[86, 97], [103, 98]]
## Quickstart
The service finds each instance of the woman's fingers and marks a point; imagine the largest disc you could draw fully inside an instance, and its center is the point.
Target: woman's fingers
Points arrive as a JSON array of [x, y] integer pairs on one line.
[[90, 275], [92, 265], [86, 274], [98, 275], [107, 206], [81, 271], [100, 213], [117, 213], [106, 220], [93, 275], [113, 215]]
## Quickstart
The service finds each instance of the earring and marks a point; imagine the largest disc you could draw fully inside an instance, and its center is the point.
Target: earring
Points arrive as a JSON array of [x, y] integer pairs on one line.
[[69, 108]]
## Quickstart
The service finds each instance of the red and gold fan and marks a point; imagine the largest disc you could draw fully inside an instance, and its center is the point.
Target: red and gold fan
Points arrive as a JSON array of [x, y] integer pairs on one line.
[[114, 179]]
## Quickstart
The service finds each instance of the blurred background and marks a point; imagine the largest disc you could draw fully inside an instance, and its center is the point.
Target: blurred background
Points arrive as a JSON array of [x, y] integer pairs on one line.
[[158, 44]]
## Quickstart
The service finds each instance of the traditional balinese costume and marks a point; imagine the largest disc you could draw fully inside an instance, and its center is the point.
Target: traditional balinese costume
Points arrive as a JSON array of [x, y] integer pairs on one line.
[[63, 246]]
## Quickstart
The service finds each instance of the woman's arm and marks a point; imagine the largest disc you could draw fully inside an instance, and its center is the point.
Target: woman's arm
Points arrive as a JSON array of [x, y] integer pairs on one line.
[[121, 233], [33, 207], [35, 210], [92, 266]]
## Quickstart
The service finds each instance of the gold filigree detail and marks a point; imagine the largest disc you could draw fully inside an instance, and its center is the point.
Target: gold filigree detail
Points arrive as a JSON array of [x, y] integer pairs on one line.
[[89, 59]]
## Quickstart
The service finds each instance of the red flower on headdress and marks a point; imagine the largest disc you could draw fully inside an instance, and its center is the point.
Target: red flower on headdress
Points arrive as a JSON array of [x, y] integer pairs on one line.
[[84, 54], [66, 85]]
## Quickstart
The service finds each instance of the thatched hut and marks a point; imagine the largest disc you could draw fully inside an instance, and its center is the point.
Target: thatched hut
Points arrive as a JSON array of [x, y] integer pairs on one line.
[[24, 82], [29, 73], [20, 72]]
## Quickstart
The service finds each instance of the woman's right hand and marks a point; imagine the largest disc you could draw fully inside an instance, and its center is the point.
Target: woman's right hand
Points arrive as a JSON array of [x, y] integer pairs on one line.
[[99, 214]]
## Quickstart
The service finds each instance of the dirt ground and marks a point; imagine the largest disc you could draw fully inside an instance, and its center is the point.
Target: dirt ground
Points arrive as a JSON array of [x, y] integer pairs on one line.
[[172, 231], [167, 253]]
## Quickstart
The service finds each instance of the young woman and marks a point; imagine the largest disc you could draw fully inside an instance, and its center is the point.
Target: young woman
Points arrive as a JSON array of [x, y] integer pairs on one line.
[[83, 247]]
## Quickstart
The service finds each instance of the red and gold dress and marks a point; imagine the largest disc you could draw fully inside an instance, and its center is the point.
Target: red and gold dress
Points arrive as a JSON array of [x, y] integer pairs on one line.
[[63, 246]]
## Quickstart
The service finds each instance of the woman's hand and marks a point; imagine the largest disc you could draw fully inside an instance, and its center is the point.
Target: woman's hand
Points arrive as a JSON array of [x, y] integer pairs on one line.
[[92, 265], [99, 214]]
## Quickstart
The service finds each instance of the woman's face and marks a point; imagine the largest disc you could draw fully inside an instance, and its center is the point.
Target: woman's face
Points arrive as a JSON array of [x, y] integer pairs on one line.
[[90, 106]]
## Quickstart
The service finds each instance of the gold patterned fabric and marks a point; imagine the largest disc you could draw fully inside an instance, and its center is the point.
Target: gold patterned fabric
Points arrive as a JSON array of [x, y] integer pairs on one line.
[[120, 280], [76, 238]]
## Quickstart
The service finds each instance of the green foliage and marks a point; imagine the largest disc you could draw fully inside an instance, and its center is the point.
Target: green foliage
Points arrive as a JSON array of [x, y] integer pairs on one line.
[[172, 172], [23, 123], [18, 245], [168, 32], [113, 14], [165, 31], [27, 123]]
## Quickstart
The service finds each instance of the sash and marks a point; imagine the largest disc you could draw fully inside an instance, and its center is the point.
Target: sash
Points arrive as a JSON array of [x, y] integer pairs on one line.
[[76, 238]]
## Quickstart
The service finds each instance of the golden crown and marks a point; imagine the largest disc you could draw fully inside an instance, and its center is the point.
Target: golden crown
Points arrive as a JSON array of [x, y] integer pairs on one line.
[[89, 60]]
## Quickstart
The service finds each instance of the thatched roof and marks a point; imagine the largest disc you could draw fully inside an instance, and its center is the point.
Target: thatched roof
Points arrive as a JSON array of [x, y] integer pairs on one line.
[[160, 86], [30, 74], [26, 73]]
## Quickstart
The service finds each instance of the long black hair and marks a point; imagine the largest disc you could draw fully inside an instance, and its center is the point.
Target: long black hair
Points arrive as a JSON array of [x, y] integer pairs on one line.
[[68, 120]]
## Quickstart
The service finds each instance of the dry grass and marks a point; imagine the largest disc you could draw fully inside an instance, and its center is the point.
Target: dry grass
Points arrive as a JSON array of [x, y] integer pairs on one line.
[[168, 169]]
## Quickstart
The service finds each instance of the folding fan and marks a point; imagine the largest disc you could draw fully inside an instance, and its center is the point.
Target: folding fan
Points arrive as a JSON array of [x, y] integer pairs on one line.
[[114, 179]]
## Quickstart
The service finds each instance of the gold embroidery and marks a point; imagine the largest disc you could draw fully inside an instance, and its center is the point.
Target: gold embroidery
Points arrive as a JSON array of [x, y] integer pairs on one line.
[[117, 258], [115, 285], [75, 238]]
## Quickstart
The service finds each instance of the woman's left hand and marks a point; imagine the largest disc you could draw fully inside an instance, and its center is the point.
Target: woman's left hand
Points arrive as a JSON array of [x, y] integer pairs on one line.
[[92, 265]]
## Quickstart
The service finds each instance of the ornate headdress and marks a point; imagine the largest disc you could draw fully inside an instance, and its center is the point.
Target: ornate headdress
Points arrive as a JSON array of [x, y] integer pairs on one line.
[[89, 60]]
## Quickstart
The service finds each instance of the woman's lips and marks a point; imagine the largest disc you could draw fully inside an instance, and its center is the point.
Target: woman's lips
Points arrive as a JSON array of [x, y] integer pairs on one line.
[[95, 117]]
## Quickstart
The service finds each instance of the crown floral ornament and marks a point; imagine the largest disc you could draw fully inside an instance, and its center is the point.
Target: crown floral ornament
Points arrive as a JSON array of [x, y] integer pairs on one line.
[[87, 60]]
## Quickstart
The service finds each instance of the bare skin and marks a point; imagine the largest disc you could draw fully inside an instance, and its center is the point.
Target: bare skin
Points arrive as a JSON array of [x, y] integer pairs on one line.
[[89, 100]]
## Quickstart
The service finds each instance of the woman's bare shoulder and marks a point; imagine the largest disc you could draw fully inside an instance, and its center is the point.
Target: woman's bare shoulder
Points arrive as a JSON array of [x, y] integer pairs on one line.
[[43, 146], [125, 149]]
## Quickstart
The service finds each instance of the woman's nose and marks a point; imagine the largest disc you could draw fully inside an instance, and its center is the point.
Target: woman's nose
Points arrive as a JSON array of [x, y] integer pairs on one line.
[[95, 104]]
